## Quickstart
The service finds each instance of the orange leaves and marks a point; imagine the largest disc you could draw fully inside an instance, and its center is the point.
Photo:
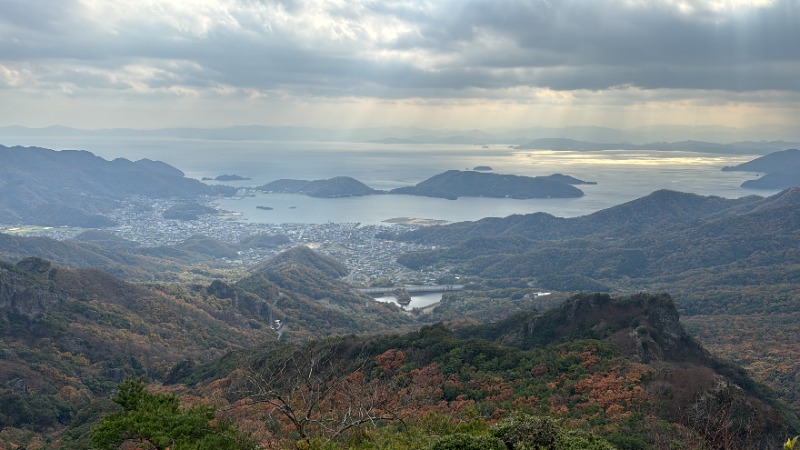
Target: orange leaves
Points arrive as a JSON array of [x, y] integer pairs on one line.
[[539, 370], [589, 358], [613, 392], [69, 393], [390, 360]]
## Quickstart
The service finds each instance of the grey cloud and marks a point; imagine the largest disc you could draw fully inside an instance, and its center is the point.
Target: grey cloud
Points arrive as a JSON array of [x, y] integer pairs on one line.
[[474, 46], [584, 31], [41, 15]]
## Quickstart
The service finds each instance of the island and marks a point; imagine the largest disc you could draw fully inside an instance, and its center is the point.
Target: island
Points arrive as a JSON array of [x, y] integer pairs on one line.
[[782, 170], [482, 168], [455, 183], [331, 188], [265, 208], [231, 178]]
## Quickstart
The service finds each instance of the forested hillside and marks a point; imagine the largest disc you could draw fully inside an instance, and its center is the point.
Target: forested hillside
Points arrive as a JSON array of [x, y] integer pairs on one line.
[[69, 336], [132, 261], [725, 261], [621, 368]]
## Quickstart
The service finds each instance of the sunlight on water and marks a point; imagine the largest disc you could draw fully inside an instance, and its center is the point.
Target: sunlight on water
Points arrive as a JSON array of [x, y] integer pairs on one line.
[[628, 158], [621, 175]]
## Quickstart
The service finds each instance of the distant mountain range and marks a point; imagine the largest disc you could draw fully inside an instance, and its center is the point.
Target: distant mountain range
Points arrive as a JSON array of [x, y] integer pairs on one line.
[[45, 187], [750, 139]]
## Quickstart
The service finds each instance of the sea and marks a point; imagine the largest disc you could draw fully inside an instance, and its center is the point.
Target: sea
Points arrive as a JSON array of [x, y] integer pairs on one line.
[[621, 175]]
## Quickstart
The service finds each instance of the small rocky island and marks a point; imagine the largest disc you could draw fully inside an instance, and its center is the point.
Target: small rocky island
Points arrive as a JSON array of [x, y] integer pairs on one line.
[[482, 168], [265, 208], [455, 183]]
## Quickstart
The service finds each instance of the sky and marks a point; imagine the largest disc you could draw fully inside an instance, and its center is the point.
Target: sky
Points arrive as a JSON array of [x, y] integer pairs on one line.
[[437, 64]]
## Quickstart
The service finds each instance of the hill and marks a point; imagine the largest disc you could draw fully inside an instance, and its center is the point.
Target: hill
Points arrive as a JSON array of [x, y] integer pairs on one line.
[[719, 257], [310, 298], [455, 183], [131, 261], [75, 188], [660, 209], [614, 367], [643, 240], [783, 161], [782, 170], [71, 335], [772, 181], [330, 188], [304, 256]]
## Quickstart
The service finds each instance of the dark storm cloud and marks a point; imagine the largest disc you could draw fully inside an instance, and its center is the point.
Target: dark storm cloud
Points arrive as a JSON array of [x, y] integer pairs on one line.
[[445, 48]]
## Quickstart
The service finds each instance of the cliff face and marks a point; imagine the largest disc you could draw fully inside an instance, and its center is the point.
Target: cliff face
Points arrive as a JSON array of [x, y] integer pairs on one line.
[[685, 382], [645, 328], [27, 290]]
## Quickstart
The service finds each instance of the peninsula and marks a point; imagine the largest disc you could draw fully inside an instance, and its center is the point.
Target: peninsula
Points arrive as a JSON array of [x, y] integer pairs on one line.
[[782, 170]]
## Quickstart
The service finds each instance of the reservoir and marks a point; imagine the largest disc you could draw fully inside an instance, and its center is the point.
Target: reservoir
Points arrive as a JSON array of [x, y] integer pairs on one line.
[[417, 301]]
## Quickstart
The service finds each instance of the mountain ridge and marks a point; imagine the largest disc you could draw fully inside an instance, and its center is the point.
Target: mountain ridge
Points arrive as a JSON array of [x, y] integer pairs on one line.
[[40, 186]]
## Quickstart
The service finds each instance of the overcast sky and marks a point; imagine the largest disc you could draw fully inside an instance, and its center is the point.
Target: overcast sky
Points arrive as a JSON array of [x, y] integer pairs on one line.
[[439, 63]]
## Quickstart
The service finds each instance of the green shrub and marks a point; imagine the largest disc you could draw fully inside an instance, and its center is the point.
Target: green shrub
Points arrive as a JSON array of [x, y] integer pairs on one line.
[[524, 432], [462, 441]]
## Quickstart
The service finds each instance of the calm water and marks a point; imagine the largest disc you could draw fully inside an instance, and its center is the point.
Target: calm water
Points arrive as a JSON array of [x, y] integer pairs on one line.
[[620, 175], [417, 301]]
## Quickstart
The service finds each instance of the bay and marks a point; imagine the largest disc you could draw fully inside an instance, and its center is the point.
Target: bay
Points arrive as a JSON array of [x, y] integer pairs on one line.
[[620, 175]]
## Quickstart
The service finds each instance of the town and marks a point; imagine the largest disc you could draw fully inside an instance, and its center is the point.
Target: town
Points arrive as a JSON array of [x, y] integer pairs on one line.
[[370, 259]]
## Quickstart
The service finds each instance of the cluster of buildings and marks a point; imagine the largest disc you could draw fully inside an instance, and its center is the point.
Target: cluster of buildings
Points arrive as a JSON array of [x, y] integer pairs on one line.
[[370, 258]]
